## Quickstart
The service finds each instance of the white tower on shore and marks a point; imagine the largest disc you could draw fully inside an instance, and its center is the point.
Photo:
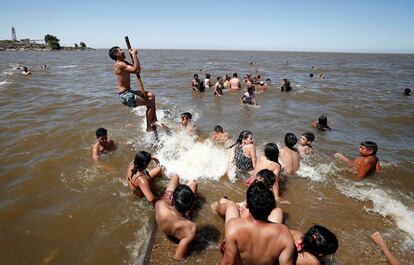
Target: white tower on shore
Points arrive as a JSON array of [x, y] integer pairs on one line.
[[14, 38]]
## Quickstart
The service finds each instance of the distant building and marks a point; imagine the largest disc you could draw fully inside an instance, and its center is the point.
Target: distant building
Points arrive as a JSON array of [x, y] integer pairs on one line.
[[14, 38]]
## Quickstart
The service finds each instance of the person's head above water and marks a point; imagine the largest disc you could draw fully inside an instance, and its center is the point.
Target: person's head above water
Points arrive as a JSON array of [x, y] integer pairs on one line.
[[318, 240], [208, 76], [116, 53], [407, 92], [271, 152], [218, 129], [183, 198], [234, 74], [242, 136], [371, 146], [141, 162], [260, 201], [290, 140], [185, 118], [195, 76], [323, 123], [267, 177]]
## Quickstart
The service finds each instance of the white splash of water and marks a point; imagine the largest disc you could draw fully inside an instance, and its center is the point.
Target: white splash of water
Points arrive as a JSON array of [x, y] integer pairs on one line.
[[4, 83], [67, 66], [382, 203], [317, 172]]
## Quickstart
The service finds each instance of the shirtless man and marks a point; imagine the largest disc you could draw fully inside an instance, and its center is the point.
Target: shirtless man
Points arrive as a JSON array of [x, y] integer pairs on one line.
[[365, 164], [218, 135], [289, 155], [235, 82], [185, 122], [171, 214], [252, 239], [129, 97], [103, 144]]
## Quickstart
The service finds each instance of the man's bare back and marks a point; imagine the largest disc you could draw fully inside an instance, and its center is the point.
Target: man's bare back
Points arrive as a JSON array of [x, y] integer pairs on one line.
[[290, 160], [235, 83]]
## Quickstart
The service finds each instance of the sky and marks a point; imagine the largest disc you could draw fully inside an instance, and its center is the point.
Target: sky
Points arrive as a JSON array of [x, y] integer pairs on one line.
[[278, 25]]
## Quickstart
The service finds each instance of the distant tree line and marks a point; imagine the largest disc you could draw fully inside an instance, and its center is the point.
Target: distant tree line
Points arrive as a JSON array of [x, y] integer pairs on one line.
[[53, 43]]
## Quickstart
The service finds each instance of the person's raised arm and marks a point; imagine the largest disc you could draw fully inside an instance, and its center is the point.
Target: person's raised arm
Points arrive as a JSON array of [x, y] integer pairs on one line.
[[135, 67], [156, 160], [185, 242], [380, 242]]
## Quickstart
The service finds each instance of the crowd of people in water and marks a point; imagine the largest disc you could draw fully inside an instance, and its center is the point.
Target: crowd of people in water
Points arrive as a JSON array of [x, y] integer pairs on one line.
[[254, 229]]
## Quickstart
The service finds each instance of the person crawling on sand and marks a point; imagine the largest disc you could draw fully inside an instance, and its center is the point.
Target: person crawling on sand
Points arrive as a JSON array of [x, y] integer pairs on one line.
[[103, 144], [289, 155], [172, 214], [129, 97], [253, 239], [365, 164], [139, 179]]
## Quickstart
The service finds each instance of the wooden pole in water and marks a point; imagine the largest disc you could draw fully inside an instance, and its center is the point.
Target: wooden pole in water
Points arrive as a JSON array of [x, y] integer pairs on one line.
[[141, 85]]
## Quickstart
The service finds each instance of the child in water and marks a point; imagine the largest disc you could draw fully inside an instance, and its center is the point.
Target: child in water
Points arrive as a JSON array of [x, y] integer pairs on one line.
[[103, 144], [218, 135], [367, 163], [249, 97], [305, 147], [139, 179], [321, 124]]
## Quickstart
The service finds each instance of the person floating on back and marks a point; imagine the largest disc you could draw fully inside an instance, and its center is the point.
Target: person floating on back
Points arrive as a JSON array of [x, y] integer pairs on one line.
[[285, 86], [305, 141], [365, 164], [103, 144], [289, 156], [172, 214], [129, 97], [321, 124], [139, 179]]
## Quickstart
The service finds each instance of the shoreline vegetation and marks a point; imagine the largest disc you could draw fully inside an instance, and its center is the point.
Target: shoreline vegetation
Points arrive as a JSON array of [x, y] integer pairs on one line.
[[48, 45]]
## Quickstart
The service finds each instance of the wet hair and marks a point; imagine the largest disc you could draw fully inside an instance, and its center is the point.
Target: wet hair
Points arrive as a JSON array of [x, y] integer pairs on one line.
[[195, 76], [371, 146], [271, 152], [183, 198], [309, 136], [323, 123], [112, 52], [234, 74], [218, 128], [187, 115], [101, 132], [218, 78], [267, 80], [260, 201], [141, 161], [227, 77], [318, 240], [258, 76], [25, 69], [208, 76], [267, 177], [250, 89], [407, 91], [290, 140], [242, 135]]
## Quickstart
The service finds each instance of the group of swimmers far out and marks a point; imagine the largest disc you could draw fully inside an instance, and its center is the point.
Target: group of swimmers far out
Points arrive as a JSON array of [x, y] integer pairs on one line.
[[254, 229]]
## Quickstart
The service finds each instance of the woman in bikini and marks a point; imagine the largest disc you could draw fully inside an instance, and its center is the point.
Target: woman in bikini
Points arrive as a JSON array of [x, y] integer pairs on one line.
[[244, 152], [139, 179]]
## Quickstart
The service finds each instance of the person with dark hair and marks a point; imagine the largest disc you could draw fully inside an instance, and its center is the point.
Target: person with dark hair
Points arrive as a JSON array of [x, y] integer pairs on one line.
[[218, 135], [249, 97], [235, 82], [289, 156], [26, 71], [321, 124], [268, 160], [195, 83], [218, 87], [103, 144], [186, 123], [305, 141], [315, 245], [139, 179], [207, 82], [226, 83], [243, 155], [129, 97], [365, 164], [172, 214], [285, 86], [406, 92], [253, 239]]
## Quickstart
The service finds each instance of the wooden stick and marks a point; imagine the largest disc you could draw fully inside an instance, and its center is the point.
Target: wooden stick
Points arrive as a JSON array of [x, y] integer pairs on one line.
[[141, 85]]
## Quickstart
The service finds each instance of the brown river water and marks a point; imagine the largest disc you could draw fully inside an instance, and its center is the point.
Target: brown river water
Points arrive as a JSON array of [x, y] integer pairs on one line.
[[59, 207]]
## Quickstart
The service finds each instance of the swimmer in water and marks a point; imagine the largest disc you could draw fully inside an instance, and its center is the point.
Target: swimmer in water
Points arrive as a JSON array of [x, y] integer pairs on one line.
[[103, 144], [321, 124]]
